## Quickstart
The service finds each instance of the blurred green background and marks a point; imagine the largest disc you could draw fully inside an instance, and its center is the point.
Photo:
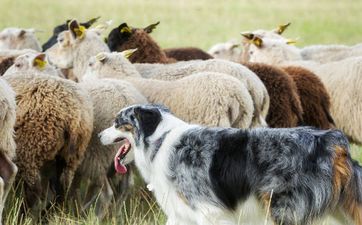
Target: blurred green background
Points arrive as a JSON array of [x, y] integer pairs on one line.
[[199, 23]]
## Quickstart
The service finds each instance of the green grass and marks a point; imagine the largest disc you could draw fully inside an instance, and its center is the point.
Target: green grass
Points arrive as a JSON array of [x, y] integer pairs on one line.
[[200, 23]]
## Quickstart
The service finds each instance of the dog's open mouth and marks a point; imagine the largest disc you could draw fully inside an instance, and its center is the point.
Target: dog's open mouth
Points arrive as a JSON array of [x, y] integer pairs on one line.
[[121, 154]]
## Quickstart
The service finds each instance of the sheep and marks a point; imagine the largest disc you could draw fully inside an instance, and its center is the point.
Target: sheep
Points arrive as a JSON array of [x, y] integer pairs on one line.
[[18, 38], [8, 57], [221, 99], [187, 54], [54, 122], [314, 97], [8, 169], [341, 78], [285, 105], [179, 70], [229, 51], [74, 47], [108, 97], [124, 37], [34, 63], [62, 27], [317, 53]]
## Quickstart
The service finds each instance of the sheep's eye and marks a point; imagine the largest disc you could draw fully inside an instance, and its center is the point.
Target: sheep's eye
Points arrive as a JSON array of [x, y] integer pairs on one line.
[[251, 52], [217, 52], [17, 65], [60, 40], [90, 64]]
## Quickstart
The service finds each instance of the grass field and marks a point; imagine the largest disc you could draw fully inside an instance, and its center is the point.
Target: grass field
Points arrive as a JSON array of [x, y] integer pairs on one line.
[[200, 23]]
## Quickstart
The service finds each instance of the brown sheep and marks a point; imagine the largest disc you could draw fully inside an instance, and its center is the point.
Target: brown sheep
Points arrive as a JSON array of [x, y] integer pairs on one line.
[[124, 37], [313, 96], [54, 123], [187, 54], [285, 108], [5, 64]]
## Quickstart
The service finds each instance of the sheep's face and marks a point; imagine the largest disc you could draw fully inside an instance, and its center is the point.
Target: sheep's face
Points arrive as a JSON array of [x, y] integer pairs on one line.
[[118, 36], [61, 54], [33, 63], [271, 51], [228, 50], [109, 65], [16, 38]]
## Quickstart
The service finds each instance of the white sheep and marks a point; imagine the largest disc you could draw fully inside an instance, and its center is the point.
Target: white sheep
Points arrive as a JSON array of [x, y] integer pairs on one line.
[[19, 38], [179, 70], [108, 96], [209, 98], [8, 169], [229, 50], [33, 63], [342, 79]]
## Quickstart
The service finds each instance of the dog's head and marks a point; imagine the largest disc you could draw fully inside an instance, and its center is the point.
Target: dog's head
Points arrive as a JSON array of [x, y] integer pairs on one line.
[[136, 127]]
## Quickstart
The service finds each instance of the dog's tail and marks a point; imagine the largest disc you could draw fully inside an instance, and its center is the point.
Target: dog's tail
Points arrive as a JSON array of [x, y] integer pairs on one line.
[[352, 195]]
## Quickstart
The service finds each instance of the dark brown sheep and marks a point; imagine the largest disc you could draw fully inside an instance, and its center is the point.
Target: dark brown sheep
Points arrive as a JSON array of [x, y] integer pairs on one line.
[[285, 108], [148, 51], [187, 54], [5, 63], [313, 96]]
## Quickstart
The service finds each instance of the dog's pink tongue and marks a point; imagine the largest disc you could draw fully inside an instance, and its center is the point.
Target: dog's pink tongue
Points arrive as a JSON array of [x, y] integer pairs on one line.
[[120, 168]]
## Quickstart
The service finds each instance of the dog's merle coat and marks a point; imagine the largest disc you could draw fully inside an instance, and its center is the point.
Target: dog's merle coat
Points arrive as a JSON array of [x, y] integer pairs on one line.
[[303, 173]]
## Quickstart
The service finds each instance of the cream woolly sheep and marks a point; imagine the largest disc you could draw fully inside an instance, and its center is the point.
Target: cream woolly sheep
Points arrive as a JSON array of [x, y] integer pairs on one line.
[[108, 96], [229, 51], [74, 48], [208, 98], [33, 63], [342, 80], [7, 58], [53, 126], [18, 38], [8, 169], [179, 70]]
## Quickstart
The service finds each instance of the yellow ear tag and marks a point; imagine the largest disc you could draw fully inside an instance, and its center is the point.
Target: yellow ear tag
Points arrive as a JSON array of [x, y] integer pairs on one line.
[[127, 53], [101, 56], [291, 42], [40, 64], [258, 42], [80, 32], [126, 30]]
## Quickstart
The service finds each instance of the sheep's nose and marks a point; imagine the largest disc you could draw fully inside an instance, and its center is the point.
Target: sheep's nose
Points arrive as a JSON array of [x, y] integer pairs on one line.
[[100, 134]]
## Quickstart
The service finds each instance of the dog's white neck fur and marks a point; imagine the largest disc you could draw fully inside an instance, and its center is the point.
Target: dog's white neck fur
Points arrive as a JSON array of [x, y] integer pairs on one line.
[[169, 123]]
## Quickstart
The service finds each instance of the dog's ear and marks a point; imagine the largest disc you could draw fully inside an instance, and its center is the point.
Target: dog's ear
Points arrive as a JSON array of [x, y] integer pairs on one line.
[[148, 119]]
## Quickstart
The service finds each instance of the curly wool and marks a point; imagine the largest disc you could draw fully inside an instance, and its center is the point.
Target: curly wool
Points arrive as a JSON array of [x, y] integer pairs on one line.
[[285, 105], [187, 54], [54, 119]]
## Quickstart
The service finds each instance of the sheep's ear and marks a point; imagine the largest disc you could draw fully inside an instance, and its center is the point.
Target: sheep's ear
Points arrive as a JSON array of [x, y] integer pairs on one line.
[[101, 57], [247, 35], [291, 42], [40, 61], [257, 41], [102, 27], [151, 27], [22, 33], [90, 22], [282, 28], [124, 29], [77, 30], [234, 46], [127, 53]]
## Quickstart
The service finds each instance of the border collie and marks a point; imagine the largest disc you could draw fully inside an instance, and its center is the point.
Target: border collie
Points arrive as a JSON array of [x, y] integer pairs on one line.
[[203, 175]]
